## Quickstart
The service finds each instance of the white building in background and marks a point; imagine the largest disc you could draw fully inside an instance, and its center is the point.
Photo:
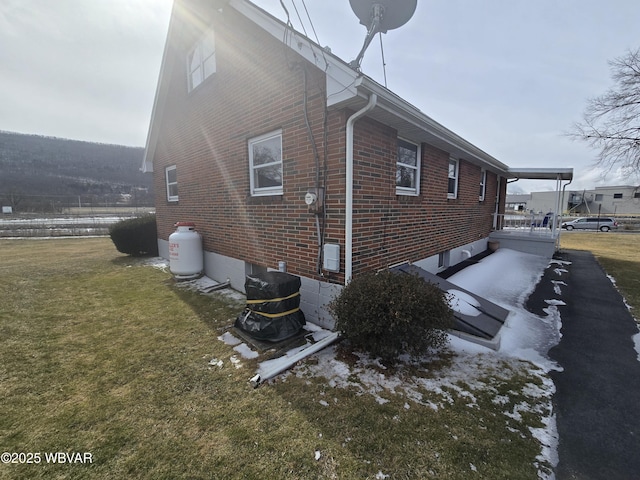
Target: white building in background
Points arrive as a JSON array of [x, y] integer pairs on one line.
[[616, 200]]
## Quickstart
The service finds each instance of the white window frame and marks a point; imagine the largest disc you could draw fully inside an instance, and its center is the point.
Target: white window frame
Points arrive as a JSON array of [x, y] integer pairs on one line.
[[257, 191], [415, 191], [483, 185], [456, 175], [201, 60], [171, 196]]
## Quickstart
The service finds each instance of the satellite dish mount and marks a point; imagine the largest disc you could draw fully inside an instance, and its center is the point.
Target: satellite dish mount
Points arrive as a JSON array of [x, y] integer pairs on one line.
[[379, 16]]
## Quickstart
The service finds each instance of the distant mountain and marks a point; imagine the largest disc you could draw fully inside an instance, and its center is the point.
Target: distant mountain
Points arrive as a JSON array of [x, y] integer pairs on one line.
[[33, 166]]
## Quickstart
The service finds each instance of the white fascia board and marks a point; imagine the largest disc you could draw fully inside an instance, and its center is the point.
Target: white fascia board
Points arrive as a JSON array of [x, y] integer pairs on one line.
[[344, 85], [158, 101], [340, 77], [298, 43], [407, 112]]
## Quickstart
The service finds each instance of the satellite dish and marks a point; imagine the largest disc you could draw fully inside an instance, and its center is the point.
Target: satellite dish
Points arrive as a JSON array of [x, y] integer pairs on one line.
[[395, 13], [379, 16]]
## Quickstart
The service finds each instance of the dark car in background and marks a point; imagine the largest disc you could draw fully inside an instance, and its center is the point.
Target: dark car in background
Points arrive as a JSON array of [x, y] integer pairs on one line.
[[604, 224]]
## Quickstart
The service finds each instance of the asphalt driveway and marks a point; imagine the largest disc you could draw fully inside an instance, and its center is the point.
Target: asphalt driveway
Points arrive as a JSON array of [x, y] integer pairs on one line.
[[597, 400]]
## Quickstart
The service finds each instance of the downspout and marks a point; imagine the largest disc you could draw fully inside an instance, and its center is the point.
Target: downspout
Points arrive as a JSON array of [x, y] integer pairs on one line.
[[560, 220], [348, 228], [497, 225]]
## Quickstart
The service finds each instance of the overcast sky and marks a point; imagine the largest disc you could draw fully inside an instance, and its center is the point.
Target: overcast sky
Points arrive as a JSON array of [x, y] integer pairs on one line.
[[510, 76]]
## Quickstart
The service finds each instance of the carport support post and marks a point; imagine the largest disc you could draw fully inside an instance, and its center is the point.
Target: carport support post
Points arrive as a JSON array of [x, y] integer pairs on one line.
[[557, 211]]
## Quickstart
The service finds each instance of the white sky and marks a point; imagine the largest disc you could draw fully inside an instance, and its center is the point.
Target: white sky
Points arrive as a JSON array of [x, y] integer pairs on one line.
[[511, 76]]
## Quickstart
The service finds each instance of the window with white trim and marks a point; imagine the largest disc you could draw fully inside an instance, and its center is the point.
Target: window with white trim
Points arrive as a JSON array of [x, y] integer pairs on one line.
[[483, 184], [452, 189], [408, 168], [265, 164], [171, 179], [201, 61]]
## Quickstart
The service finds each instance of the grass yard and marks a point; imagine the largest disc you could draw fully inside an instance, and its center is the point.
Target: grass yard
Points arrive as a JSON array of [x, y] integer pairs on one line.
[[102, 355], [619, 255]]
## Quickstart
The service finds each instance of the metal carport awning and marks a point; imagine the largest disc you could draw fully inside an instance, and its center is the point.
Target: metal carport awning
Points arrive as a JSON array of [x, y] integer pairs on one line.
[[541, 173]]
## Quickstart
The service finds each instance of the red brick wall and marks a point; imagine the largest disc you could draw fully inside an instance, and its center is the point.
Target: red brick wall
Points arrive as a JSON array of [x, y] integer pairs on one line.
[[390, 228], [255, 90], [258, 89]]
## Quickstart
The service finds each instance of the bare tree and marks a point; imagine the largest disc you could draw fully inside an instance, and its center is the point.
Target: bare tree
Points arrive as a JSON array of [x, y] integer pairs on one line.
[[611, 122]]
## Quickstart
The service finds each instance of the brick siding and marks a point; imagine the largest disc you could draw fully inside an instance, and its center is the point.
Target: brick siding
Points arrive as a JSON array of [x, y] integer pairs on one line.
[[256, 89]]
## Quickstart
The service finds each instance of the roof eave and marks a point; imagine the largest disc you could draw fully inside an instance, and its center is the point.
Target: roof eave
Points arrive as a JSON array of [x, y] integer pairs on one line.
[[412, 123], [159, 99]]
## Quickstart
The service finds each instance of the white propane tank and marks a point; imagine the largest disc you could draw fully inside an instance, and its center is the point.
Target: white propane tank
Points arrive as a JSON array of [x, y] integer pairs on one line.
[[186, 259]]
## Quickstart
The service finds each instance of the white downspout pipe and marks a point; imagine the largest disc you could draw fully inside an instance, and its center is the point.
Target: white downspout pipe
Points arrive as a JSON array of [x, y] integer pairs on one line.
[[556, 213], [348, 228], [287, 363], [496, 214]]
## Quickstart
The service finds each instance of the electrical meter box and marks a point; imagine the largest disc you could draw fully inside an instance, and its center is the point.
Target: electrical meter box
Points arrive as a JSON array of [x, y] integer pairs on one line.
[[331, 261]]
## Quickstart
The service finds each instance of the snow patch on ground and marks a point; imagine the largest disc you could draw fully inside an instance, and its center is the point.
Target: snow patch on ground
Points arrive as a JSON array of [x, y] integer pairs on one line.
[[157, 262], [229, 339], [557, 286], [636, 337], [506, 278], [636, 342], [207, 286], [245, 351]]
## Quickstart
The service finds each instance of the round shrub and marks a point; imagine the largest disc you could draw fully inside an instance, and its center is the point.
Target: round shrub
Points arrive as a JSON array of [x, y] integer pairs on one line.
[[136, 236], [387, 314]]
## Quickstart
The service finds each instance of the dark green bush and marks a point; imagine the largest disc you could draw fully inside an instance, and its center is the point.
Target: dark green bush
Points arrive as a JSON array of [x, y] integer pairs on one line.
[[136, 236], [388, 314]]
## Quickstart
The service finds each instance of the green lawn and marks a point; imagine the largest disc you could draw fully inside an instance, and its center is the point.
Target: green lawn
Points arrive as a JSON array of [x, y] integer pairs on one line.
[[100, 354]]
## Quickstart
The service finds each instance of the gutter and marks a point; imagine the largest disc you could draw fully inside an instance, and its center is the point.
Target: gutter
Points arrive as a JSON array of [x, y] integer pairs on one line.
[[407, 112], [348, 229]]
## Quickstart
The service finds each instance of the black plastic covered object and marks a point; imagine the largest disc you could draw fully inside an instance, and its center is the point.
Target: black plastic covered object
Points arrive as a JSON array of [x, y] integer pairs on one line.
[[273, 306], [269, 285]]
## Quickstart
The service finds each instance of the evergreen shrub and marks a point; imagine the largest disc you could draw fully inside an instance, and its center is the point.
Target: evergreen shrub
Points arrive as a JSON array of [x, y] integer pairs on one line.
[[136, 236], [387, 314]]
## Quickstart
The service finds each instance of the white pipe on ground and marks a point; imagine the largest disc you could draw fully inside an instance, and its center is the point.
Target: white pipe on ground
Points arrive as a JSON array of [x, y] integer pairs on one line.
[[316, 347]]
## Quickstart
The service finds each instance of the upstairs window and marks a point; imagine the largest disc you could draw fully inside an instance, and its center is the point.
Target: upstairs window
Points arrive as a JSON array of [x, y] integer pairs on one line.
[[171, 179], [452, 190], [265, 164], [617, 195], [408, 169], [483, 185], [201, 61]]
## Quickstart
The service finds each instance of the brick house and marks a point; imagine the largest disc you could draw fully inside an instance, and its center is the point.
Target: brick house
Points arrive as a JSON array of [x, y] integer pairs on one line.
[[252, 120]]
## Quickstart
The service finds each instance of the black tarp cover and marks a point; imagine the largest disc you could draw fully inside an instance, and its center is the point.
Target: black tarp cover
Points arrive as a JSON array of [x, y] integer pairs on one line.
[[273, 306]]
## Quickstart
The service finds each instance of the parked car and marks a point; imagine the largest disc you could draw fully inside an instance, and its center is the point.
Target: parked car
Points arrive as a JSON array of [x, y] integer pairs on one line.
[[603, 224]]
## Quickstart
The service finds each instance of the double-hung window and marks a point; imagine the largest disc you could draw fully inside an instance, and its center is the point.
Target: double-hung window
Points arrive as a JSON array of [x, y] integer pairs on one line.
[[408, 168], [483, 185], [265, 164], [171, 179], [201, 61], [452, 188]]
